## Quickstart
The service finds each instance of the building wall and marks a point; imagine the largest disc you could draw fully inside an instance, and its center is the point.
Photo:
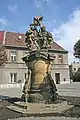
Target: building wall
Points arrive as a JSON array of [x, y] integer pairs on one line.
[[61, 68], [6, 74], [65, 58], [20, 68], [64, 75]]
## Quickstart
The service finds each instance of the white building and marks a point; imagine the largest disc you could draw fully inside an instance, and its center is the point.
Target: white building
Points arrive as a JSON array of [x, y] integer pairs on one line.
[[15, 70]]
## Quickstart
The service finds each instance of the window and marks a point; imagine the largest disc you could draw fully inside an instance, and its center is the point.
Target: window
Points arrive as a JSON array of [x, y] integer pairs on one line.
[[74, 69], [13, 56], [13, 77], [60, 58]]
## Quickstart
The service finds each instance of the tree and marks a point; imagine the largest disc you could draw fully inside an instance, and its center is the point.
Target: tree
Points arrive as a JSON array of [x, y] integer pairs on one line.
[[76, 76], [3, 56], [77, 49]]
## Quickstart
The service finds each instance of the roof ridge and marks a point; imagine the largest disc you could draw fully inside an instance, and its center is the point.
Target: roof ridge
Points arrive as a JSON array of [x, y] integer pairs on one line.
[[59, 46], [2, 30], [15, 32], [10, 40]]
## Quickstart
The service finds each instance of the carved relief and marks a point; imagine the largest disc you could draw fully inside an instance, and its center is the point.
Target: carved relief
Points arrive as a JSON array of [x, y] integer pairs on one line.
[[37, 37]]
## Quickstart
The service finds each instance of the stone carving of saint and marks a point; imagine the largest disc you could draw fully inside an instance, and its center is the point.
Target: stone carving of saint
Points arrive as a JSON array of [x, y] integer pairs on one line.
[[37, 37]]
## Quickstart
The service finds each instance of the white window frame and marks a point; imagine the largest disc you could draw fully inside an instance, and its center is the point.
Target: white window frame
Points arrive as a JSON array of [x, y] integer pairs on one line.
[[12, 78], [60, 59], [13, 56]]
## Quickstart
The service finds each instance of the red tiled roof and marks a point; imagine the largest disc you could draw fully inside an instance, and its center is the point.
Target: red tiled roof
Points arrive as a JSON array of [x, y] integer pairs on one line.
[[18, 39], [55, 46], [1, 36], [15, 39]]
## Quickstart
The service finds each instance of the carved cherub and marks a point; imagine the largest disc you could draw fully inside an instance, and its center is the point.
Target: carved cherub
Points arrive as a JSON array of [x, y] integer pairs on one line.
[[31, 38], [37, 37], [50, 38], [44, 36], [28, 39]]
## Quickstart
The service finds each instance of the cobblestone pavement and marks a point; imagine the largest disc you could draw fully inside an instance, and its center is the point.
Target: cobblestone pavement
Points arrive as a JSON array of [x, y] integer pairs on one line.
[[46, 118], [64, 90], [72, 89]]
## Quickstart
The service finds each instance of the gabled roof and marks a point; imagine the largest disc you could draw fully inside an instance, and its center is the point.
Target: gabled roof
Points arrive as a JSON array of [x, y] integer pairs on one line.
[[56, 46], [18, 40]]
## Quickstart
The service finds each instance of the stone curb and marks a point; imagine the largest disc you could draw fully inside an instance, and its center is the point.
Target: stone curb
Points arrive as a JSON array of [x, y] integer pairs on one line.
[[46, 118]]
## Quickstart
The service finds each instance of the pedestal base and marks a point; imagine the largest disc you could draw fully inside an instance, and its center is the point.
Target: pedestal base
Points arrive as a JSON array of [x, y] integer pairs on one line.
[[37, 96], [39, 109]]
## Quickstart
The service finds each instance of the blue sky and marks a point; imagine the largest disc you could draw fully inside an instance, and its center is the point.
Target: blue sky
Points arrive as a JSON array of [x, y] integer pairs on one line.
[[61, 17]]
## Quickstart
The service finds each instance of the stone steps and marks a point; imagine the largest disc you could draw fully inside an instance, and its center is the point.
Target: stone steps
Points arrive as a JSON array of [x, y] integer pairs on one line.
[[39, 105], [36, 108]]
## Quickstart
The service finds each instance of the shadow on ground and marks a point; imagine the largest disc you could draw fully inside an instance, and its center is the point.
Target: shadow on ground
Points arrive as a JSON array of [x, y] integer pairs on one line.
[[10, 99]]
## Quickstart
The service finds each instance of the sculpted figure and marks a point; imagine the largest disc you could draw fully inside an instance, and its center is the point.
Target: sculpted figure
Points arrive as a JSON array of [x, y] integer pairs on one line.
[[44, 36], [31, 38], [37, 37], [39, 86], [50, 38]]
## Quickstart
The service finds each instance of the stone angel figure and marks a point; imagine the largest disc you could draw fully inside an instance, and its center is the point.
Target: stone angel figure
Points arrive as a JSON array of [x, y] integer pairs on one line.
[[31, 38]]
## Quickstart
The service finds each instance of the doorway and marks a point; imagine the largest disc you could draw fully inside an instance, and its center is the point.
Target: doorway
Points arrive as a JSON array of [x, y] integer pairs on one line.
[[57, 78]]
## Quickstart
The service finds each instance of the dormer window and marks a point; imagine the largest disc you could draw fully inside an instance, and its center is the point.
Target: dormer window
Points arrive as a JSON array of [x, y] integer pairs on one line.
[[20, 37]]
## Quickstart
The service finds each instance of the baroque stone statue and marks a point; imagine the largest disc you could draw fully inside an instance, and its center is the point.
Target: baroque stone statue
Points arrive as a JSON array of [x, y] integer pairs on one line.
[[37, 37], [39, 86]]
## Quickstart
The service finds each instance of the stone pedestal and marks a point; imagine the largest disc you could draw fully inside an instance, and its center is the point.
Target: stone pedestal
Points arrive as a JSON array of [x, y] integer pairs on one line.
[[40, 86]]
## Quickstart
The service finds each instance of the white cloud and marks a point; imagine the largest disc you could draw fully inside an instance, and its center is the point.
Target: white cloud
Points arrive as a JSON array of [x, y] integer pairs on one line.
[[13, 8], [69, 32], [3, 21], [39, 3]]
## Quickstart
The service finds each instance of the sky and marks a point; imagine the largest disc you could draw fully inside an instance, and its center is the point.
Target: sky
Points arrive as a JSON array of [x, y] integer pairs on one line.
[[61, 17]]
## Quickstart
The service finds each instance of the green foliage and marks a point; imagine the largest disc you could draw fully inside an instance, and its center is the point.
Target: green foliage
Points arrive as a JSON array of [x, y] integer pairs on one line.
[[77, 49], [76, 76], [3, 56]]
